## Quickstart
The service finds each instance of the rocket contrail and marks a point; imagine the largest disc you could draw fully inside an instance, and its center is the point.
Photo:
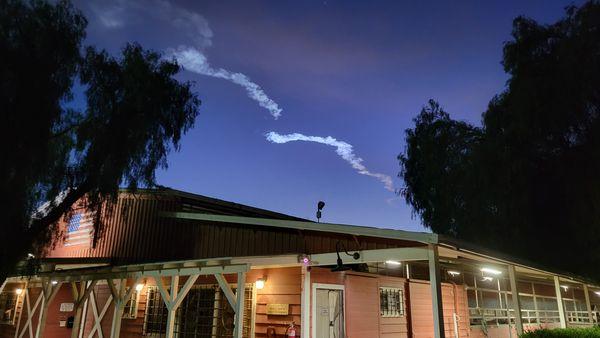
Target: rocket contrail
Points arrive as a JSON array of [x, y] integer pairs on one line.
[[343, 149], [195, 61]]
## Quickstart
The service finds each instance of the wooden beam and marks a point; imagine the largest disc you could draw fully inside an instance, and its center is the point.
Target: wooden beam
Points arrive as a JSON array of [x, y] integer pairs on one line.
[[559, 301], [512, 275], [588, 305], [305, 303], [239, 309], [436, 292], [226, 290]]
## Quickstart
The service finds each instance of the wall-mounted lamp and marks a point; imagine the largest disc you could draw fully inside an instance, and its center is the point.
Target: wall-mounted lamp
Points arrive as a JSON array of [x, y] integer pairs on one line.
[[19, 291], [393, 263], [54, 282], [139, 287], [453, 273], [565, 287], [340, 264], [260, 283], [597, 293]]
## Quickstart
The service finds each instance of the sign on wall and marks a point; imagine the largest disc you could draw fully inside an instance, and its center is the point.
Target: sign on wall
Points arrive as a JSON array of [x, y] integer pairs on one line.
[[278, 309], [66, 307]]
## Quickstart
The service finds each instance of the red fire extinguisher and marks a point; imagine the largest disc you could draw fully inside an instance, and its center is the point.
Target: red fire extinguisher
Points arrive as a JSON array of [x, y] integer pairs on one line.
[[291, 331]]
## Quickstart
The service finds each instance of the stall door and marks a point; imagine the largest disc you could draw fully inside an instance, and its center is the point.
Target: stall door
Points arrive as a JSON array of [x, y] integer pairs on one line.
[[329, 313]]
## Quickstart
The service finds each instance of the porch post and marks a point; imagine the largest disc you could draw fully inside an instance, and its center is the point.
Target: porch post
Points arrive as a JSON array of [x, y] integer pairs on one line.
[[436, 291], [48, 292], [239, 305], [305, 303], [119, 304], [588, 305], [559, 301], [512, 275], [170, 329]]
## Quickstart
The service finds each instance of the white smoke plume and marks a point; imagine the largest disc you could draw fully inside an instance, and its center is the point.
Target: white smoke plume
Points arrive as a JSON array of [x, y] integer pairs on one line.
[[195, 61], [343, 149], [184, 27]]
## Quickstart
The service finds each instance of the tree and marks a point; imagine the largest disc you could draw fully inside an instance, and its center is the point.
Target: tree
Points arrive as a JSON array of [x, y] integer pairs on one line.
[[53, 153], [526, 182]]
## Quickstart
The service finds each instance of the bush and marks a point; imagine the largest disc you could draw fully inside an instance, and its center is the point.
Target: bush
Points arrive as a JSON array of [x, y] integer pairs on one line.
[[593, 332]]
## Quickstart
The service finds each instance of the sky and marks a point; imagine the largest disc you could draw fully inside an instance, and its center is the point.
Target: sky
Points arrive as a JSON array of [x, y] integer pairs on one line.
[[304, 101]]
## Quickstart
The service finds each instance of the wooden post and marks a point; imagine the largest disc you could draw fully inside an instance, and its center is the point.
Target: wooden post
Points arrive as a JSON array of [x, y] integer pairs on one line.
[[559, 301], [588, 305], [49, 291], [239, 306], [170, 329], [305, 303], [512, 275], [436, 291], [80, 296]]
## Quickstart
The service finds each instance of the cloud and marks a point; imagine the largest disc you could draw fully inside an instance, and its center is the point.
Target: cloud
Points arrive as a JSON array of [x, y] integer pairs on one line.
[[195, 61], [343, 149]]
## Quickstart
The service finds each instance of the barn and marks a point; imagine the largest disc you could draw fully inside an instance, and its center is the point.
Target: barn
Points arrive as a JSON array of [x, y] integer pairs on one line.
[[167, 263]]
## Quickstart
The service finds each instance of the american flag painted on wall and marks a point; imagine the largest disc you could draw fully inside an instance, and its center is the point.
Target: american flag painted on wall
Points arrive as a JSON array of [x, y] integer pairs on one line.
[[79, 229]]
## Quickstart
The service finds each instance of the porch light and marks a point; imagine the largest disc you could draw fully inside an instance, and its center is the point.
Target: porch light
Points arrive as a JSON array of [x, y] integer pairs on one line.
[[395, 263], [597, 293], [491, 271], [339, 263], [139, 287], [19, 291], [453, 273], [54, 282], [260, 283], [565, 287]]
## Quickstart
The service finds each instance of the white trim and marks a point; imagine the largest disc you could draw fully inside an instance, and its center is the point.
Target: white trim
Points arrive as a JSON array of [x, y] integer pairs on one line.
[[305, 303], [356, 230], [323, 286]]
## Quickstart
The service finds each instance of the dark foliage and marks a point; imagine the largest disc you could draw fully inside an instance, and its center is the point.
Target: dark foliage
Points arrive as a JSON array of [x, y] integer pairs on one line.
[[593, 332], [528, 181], [135, 114]]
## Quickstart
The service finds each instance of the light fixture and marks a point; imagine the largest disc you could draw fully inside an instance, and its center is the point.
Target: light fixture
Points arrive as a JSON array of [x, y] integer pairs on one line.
[[54, 282], [304, 259], [139, 287], [565, 287], [453, 273], [19, 291], [320, 207], [391, 262], [30, 255], [260, 283], [339, 263], [491, 271], [487, 279], [597, 293]]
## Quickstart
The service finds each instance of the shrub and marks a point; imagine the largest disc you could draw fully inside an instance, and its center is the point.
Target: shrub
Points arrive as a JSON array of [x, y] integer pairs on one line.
[[593, 332]]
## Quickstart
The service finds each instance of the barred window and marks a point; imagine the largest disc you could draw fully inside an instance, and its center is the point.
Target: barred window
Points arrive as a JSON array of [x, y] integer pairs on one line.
[[131, 307], [203, 313], [391, 302], [8, 307], [155, 319]]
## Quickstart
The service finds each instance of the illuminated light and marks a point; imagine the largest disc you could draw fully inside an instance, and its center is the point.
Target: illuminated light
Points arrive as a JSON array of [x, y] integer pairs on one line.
[[597, 293], [453, 273], [565, 287], [19, 291], [54, 282], [30, 255], [487, 279], [492, 271], [260, 283], [396, 263], [304, 259], [139, 287]]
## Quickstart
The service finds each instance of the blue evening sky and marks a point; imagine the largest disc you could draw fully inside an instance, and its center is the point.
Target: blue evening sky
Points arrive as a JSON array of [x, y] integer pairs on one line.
[[357, 71]]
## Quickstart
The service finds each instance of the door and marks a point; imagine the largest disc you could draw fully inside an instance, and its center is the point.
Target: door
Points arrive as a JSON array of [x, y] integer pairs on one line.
[[329, 306]]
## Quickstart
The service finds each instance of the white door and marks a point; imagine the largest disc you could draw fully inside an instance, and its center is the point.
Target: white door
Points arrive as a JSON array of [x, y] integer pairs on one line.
[[329, 313]]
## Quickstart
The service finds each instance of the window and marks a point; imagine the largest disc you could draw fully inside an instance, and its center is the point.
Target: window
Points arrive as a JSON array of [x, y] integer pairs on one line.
[[203, 313], [155, 319], [131, 307], [8, 307], [391, 302]]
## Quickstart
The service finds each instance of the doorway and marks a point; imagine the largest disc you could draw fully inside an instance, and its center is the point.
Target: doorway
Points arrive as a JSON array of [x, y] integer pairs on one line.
[[328, 311]]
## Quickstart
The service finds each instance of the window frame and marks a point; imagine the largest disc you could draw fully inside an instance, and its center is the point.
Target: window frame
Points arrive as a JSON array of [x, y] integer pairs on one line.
[[400, 302]]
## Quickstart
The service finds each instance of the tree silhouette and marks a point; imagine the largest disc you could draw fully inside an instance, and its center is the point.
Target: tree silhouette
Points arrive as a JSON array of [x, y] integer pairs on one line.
[[135, 113], [527, 182]]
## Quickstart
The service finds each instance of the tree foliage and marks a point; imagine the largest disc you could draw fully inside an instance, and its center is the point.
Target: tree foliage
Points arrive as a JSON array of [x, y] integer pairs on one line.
[[52, 150], [527, 181]]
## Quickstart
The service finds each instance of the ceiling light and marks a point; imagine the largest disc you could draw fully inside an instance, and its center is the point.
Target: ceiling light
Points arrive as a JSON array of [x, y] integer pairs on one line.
[[565, 287], [19, 291], [492, 271], [54, 282], [139, 287], [396, 263], [453, 273], [597, 293]]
